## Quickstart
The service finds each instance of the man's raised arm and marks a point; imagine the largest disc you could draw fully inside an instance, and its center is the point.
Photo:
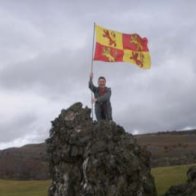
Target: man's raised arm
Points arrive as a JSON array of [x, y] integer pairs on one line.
[[90, 84]]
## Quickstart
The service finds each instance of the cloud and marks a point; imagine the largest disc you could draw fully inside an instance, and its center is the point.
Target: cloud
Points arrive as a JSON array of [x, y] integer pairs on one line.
[[22, 115], [45, 54], [161, 99]]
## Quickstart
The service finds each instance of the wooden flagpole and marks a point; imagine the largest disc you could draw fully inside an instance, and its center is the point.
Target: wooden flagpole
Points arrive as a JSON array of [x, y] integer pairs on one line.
[[91, 68]]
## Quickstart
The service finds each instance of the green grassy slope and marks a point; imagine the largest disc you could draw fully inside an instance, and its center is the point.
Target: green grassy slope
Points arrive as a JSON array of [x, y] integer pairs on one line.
[[165, 177], [24, 188]]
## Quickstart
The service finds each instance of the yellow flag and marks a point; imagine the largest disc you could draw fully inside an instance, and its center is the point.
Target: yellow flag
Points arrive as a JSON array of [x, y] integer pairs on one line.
[[113, 46]]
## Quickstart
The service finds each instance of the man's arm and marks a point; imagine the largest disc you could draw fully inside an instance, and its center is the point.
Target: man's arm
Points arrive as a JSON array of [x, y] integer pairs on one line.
[[90, 84]]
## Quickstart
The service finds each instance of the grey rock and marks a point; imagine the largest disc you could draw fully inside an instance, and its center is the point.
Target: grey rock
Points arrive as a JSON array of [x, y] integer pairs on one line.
[[89, 158], [191, 174]]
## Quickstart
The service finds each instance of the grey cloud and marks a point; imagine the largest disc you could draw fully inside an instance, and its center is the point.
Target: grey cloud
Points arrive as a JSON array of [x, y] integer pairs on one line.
[[17, 127], [52, 71], [47, 51]]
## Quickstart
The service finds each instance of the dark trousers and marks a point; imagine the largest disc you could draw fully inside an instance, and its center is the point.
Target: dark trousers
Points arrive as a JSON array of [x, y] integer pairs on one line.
[[102, 112]]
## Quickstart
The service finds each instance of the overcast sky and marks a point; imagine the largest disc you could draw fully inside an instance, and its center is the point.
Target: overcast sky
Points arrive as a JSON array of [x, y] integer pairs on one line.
[[45, 57]]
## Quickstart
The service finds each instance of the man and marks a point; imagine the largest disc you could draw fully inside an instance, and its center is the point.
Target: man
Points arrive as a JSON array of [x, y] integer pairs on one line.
[[103, 109]]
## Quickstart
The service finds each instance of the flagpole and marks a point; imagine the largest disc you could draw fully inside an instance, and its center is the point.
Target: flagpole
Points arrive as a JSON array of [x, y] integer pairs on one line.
[[91, 68], [93, 47]]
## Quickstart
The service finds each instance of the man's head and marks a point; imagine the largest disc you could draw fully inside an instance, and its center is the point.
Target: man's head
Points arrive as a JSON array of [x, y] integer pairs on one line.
[[101, 82]]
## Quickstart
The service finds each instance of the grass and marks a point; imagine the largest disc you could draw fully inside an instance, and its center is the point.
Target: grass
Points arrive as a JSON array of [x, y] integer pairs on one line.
[[24, 188], [164, 178]]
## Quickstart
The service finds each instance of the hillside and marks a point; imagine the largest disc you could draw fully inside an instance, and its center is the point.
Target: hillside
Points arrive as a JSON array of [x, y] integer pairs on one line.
[[167, 148], [170, 148], [27, 162]]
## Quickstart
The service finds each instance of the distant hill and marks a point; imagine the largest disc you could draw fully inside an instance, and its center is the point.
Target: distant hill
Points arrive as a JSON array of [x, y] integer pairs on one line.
[[27, 162], [167, 148], [170, 148]]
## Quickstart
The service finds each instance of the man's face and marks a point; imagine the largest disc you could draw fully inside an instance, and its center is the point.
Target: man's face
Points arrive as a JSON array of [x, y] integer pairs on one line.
[[101, 83]]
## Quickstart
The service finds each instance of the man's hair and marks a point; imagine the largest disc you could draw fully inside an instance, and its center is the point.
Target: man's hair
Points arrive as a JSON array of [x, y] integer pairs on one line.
[[101, 78]]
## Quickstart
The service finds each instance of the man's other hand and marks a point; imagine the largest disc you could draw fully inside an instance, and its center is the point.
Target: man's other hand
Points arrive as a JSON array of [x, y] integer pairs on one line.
[[94, 100]]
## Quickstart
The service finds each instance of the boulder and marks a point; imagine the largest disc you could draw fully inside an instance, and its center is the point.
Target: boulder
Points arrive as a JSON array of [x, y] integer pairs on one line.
[[88, 158]]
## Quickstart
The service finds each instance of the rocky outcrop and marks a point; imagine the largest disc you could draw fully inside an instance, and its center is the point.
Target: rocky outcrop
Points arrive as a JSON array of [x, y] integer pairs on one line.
[[89, 158], [188, 189]]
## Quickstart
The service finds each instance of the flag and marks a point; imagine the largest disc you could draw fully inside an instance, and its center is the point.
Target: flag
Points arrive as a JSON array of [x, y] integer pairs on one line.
[[113, 46]]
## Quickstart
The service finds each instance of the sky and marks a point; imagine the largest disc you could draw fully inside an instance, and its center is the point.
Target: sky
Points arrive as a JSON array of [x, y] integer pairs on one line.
[[45, 59]]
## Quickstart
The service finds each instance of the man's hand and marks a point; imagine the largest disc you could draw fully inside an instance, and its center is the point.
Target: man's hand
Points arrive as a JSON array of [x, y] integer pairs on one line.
[[94, 100]]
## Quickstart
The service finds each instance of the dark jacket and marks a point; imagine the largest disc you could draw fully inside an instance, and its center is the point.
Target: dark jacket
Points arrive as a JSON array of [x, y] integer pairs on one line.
[[102, 103]]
